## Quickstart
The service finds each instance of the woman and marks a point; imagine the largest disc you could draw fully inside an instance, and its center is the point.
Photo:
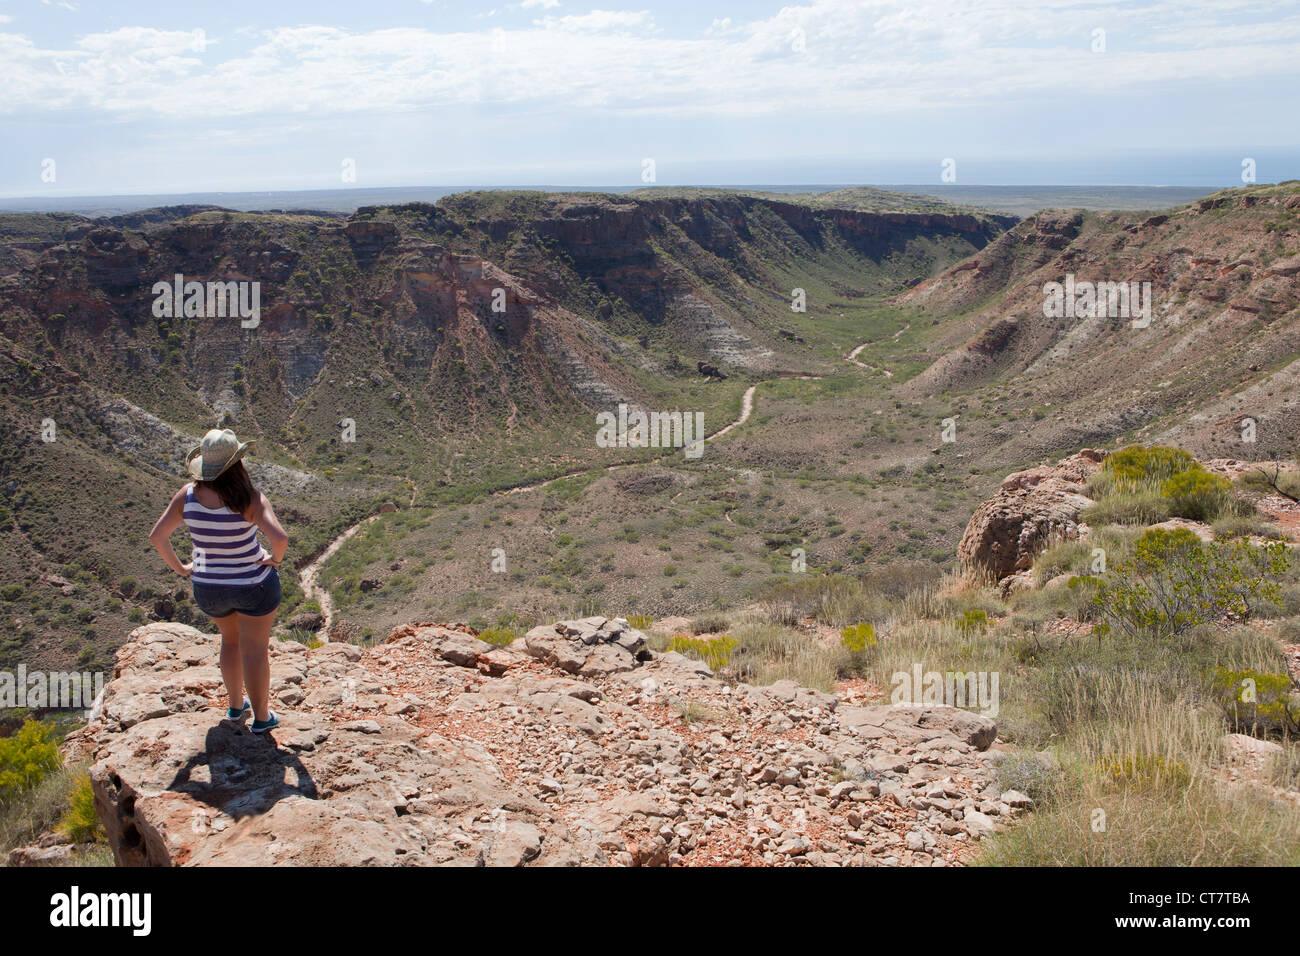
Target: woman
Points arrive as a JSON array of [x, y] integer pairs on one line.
[[235, 579]]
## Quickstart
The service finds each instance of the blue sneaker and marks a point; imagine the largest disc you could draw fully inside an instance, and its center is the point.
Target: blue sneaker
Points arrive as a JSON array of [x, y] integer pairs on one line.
[[260, 727], [232, 714]]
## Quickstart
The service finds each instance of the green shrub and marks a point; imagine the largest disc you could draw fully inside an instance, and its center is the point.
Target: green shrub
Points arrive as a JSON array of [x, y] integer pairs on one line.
[[1142, 506], [1197, 494], [859, 637], [1254, 701], [498, 636], [1146, 485], [715, 651], [973, 621], [25, 758], [1140, 465], [1173, 582], [80, 823], [1244, 527], [1144, 771]]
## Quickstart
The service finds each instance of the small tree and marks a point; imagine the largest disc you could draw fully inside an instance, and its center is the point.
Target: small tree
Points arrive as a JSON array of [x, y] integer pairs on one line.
[[1174, 581]]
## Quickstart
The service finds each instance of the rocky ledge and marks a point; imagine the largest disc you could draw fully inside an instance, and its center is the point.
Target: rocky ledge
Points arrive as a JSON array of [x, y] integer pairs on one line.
[[575, 745]]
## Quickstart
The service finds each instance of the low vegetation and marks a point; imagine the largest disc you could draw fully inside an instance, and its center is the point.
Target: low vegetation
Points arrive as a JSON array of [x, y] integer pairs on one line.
[[38, 793], [1173, 581], [1116, 697], [1142, 485]]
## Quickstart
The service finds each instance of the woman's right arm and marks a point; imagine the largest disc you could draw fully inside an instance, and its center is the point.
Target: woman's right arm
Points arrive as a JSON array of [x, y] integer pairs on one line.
[[264, 517]]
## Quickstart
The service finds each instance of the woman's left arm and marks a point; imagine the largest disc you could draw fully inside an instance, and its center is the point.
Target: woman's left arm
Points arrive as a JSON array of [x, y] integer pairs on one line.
[[161, 535], [263, 515]]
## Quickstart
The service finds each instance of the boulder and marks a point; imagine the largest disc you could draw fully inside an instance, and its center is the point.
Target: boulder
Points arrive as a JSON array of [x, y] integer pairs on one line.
[[912, 726], [1032, 509], [591, 647], [1289, 266], [35, 855], [306, 621], [978, 824]]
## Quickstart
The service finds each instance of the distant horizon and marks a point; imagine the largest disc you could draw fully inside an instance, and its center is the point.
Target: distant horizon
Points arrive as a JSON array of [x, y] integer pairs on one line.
[[1007, 199], [1136, 169], [791, 187]]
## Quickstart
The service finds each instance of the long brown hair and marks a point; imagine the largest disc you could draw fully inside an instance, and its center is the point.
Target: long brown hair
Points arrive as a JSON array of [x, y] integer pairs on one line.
[[234, 487]]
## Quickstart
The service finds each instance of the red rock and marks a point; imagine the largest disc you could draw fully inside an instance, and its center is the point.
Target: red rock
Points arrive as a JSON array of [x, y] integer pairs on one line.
[[1032, 509]]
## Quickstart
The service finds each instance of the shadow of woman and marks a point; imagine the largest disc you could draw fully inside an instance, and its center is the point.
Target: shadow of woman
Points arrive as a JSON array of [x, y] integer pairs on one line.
[[242, 774]]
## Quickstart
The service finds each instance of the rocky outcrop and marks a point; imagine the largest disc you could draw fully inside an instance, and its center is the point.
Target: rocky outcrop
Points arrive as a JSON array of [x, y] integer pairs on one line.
[[51, 849], [575, 745], [368, 238], [1032, 509]]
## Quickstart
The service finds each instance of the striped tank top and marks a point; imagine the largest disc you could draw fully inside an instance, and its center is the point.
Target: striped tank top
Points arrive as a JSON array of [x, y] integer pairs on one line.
[[226, 549]]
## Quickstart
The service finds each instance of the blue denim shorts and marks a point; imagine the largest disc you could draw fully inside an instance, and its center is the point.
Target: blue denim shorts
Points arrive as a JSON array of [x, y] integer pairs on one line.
[[255, 600]]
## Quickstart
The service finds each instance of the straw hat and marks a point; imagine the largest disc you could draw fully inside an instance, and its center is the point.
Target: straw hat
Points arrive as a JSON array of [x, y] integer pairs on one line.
[[218, 450]]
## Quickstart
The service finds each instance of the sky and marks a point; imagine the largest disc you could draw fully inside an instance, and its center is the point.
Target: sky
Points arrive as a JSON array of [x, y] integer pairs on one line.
[[114, 98]]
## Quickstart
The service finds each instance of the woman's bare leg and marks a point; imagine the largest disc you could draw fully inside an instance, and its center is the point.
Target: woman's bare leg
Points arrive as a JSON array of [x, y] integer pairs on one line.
[[232, 671], [254, 638]]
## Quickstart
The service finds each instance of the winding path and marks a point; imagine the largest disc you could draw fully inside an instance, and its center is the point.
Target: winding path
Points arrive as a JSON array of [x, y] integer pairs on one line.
[[309, 576], [853, 356]]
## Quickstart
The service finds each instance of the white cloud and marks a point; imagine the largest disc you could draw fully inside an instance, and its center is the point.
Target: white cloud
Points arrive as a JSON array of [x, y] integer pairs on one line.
[[599, 21], [858, 58], [543, 4]]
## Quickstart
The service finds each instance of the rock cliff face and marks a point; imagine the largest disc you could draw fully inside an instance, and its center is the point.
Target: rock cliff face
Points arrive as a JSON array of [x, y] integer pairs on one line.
[[1215, 330], [480, 309], [575, 745], [1032, 509]]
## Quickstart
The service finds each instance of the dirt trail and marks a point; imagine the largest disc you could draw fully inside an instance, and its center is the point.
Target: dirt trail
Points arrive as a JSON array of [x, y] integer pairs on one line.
[[310, 575], [853, 356], [746, 407]]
